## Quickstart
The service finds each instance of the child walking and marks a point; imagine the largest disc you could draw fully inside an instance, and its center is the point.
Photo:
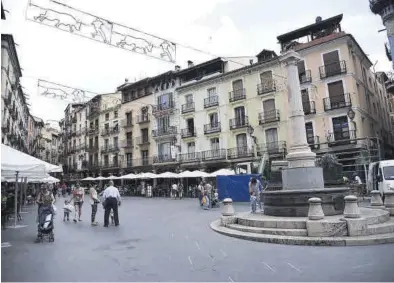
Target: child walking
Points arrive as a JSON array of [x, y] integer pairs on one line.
[[253, 201], [67, 208]]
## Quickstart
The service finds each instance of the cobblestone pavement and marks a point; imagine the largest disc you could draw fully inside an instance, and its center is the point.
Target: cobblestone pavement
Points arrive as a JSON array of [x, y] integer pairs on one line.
[[170, 240]]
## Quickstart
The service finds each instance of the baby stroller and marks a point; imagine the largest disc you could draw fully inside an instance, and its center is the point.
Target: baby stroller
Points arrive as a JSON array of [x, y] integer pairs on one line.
[[45, 224]]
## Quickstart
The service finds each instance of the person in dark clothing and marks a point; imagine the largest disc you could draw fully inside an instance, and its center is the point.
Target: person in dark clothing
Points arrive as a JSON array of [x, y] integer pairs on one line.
[[111, 198]]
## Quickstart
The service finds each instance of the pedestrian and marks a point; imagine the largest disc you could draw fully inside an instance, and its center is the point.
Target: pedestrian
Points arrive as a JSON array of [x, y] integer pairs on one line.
[[94, 201], [67, 208], [112, 199], [200, 189], [256, 188], [78, 198], [253, 201], [175, 190]]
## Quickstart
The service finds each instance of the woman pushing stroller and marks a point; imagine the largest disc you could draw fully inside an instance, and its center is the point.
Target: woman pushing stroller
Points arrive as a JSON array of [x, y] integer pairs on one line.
[[45, 201]]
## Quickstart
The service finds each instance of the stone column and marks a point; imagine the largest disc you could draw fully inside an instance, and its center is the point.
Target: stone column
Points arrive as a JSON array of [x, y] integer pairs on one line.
[[315, 210], [351, 207], [376, 199], [300, 154]]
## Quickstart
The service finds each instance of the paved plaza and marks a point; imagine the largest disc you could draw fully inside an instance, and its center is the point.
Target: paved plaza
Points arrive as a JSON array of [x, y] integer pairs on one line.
[[170, 240]]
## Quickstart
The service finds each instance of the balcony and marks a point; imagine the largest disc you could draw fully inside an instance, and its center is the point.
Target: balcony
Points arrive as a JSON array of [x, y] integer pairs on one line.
[[341, 137], [188, 133], [239, 123], [214, 154], [142, 162], [332, 69], [164, 108], [74, 119], [128, 163], [188, 107], [266, 88], [92, 148], [73, 132], [212, 128], [190, 157], [93, 165], [305, 77], [337, 102], [93, 131], [240, 152], [110, 131], [127, 144], [80, 147], [143, 118], [211, 101], [127, 123], [309, 107], [269, 117], [272, 148], [163, 158], [72, 149], [236, 95], [94, 111], [161, 132], [142, 140], [110, 164], [109, 148], [313, 141]]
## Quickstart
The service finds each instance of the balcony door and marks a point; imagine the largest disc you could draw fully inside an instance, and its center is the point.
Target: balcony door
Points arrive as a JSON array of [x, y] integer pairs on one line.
[[238, 86], [128, 118], [96, 142], [191, 148], [106, 143], [340, 128], [164, 151], [269, 109], [214, 120], [301, 68], [336, 94], [267, 82], [115, 142], [115, 160], [129, 159], [239, 114], [106, 160], [190, 125], [163, 124], [129, 136], [271, 138], [145, 135], [306, 105], [309, 132], [242, 144], [332, 65], [165, 101]]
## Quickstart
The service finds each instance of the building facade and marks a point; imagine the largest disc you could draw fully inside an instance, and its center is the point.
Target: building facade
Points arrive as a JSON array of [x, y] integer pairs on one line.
[[50, 144], [14, 111]]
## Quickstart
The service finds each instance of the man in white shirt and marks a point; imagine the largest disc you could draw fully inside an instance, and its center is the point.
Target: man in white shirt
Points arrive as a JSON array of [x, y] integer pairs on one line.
[[174, 190], [111, 198]]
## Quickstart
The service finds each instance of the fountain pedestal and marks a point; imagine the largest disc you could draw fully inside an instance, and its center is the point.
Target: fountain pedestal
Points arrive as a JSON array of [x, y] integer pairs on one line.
[[301, 180]]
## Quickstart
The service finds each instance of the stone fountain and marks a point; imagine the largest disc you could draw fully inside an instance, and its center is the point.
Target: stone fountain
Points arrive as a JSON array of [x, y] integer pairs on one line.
[[301, 180]]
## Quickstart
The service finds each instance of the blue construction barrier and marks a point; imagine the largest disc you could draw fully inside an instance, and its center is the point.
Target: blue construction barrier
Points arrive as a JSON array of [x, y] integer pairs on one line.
[[235, 186]]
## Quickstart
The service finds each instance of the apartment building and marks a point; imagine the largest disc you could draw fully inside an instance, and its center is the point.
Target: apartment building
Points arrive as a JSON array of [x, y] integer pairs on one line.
[[35, 126], [14, 111], [50, 144], [345, 104]]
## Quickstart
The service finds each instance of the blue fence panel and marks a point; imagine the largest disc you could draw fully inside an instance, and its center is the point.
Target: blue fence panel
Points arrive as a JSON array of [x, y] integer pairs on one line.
[[235, 186]]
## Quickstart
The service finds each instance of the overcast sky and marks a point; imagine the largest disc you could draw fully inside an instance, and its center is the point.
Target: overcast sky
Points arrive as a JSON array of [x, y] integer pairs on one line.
[[221, 27]]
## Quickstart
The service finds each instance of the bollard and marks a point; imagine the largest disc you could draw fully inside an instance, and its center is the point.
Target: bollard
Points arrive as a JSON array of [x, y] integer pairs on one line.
[[389, 199], [228, 209], [376, 198], [315, 210], [351, 207]]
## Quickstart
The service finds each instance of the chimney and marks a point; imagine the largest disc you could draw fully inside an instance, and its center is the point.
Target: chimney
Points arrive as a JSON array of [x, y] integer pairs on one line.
[[177, 68], [126, 80], [251, 61], [190, 64]]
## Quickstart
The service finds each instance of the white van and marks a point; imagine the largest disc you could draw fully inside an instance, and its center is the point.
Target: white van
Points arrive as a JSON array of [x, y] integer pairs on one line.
[[381, 176]]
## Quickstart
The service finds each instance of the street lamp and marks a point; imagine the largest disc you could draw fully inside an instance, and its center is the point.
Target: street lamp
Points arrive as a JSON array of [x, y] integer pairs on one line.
[[351, 114], [250, 131]]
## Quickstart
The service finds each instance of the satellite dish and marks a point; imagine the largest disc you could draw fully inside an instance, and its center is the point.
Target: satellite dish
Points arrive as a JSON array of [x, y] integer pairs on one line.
[[318, 19]]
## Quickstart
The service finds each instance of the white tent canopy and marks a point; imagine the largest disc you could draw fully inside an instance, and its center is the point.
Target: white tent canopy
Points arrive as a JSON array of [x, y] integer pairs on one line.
[[128, 176], [13, 161], [222, 172], [146, 175], [99, 178], [167, 175], [113, 177], [88, 179], [50, 180], [193, 174]]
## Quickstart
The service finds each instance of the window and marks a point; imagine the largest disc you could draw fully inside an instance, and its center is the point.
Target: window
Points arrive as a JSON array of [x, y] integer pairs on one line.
[[165, 100], [145, 135], [214, 120], [106, 126], [129, 136], [237, 85], [106, 142], [269, 109], [191, 147], [106, 160], [242, 144], [309, 132], [129, 159], [90, 143], [107, 117], [266, 80], [163, 123], [301, 67], [340, 127], [211, 92], [239, 114], [331, 62], [116, 142], [115, 114], [190, 125], [164, 150], [215, 144], [271, 138], [144, 154], [305, 101], [128, 118], [189, 98]]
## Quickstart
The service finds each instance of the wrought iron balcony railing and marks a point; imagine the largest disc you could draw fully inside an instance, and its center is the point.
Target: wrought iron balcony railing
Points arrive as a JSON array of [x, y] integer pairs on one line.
[[341, 136], [212, 128], [142, 162], [332, 69], [237, 94], [169, 131], [214, 154], [266, 88], [190, 157], [238, 123], [188, 107], [127, 123], [188, 133], [305, 77], [240, 152], [163, 107], [106, 164], [211, 101], [92, 148], [272, 148], [337, 102], [142, 140], [110, 148], [313, 141], [143, 118], [164, 158], [127, 143], [92, 131], [269, 116], [309, 107]]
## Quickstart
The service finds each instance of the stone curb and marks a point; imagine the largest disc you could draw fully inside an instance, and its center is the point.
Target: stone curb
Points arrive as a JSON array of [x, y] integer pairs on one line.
[[302, 240]]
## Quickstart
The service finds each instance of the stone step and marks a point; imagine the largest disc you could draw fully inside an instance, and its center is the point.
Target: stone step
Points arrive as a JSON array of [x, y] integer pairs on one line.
[[269, 231], [381, 228], [304, 240], [281, 223], [378, 216]]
